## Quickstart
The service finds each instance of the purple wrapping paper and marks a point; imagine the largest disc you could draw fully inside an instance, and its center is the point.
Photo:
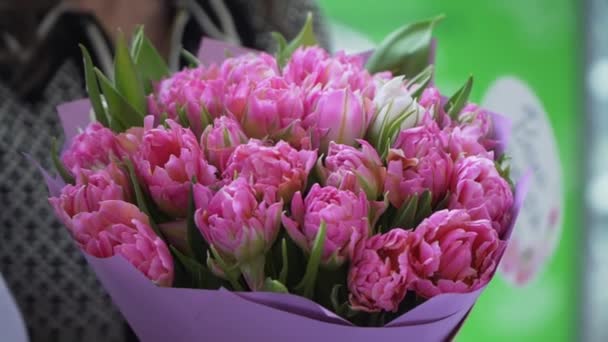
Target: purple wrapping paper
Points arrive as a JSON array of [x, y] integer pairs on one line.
[[215, 52], [172, 314]]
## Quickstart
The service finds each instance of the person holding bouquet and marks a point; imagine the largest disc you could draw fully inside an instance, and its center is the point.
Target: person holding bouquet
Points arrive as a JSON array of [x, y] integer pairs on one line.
[[40, 67]]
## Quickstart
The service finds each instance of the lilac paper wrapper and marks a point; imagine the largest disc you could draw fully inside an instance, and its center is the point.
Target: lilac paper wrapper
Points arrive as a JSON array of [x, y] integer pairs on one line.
[[213, 51], [171, 314]]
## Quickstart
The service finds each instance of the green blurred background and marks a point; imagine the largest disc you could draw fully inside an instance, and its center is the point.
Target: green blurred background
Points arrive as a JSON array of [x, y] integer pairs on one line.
[[540, 43]]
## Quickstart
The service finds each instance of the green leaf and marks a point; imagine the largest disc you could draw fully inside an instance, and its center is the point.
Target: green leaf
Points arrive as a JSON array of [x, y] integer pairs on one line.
[[503, 166], [319, 170], [281, 44], [335, 301], [390, 129], [443, 204], [306, 37], [201, 276], [193, 268], [206, 118], [136, 41], [150, 64], [232, 273], [93, 88], [368, 188], [375, 140], [459, 99], [197, 244], [127, 81], [421, 81], [424, 207], [181, 276], [192, 60], [406, 214], [297, 262], [306, 286], [285, 262], [121, 113], [183, 117], [63, 172], [413, 211], [140, 198], [274, 286], [163, 118], [226, 137], [404, 51], [395, 126]]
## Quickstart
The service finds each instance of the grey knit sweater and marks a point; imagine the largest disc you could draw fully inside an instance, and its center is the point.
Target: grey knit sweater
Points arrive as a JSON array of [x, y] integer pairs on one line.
[[58, 295]]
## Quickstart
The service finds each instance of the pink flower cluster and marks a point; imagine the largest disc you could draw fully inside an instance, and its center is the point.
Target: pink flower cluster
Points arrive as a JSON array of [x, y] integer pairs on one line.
[[455, 249], [265, 151], [315, 99], [449, 252]]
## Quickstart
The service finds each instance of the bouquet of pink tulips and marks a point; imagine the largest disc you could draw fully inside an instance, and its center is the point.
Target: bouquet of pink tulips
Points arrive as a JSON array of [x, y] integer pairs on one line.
[[295, 196]]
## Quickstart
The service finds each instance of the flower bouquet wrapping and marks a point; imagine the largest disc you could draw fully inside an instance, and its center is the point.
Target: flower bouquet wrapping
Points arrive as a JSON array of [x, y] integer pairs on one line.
[[300, 195]]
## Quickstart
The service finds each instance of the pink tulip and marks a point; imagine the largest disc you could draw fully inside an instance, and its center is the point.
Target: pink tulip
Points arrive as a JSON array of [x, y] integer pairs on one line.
[[195, 91], [304, 63], [380, 274], [248, 68], [480, 189], [393, 100], [91, 188], [129, 140], [312, 66], [92, 149], [146, 251], [341, 116], [477, 118], [471, 135], [220, 140], [418, 162], [275, 110], [432, 103], [167, 161], [431, 98], [452, 253], [119, 228], [279, 169], [346, 216], [346, 71], [236, 99], [241, 228], [348, 168], [202, 196]]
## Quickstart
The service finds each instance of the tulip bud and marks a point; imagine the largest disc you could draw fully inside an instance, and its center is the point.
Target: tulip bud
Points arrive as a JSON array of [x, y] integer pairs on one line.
[[241, 228], [220, 140], [345, 215], [348, 168], [341, 116]]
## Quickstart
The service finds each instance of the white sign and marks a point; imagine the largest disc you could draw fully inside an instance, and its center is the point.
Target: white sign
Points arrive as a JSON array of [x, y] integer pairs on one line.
[[532, 147]]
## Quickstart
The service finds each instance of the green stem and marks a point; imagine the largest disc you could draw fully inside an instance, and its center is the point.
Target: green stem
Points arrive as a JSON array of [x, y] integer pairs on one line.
[[253, 271], [229, 272]]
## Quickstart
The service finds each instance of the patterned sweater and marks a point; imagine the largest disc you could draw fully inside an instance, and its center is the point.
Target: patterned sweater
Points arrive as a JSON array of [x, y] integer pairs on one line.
[[59, 296]]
